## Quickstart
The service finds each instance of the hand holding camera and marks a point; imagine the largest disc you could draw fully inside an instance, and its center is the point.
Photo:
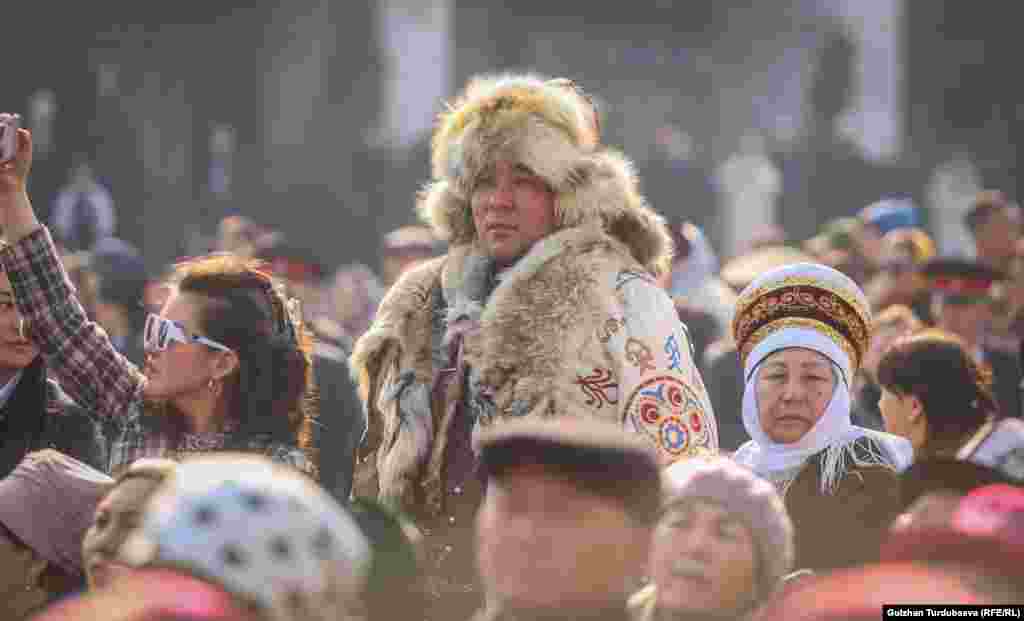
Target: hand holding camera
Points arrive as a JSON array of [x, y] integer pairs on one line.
[[16, 216], [9, 126]]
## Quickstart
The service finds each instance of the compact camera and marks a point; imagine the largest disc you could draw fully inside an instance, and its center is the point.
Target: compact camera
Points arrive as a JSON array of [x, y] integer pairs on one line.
[[9, 125]]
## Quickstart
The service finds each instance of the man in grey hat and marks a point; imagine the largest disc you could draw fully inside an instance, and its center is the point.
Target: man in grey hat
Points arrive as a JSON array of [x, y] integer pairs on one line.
[[566, 521]]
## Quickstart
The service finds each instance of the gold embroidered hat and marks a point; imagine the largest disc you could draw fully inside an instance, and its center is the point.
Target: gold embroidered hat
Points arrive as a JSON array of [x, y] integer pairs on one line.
[[803, 305]]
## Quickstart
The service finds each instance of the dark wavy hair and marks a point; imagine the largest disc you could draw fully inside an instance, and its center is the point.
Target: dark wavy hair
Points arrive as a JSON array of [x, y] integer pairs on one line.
[[956, 391], [273, 391]]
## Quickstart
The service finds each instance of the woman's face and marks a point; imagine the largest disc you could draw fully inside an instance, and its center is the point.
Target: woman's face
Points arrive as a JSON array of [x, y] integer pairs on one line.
[[794, 387], [901, 415], [117, 515], [703, 559], [183, 368]]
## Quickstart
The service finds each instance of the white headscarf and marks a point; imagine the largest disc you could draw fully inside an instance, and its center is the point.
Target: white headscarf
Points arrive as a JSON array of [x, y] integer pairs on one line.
[[834, 433]]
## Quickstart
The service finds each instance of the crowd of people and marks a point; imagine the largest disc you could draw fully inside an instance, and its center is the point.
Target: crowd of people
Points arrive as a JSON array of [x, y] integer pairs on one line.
[[553, 403]]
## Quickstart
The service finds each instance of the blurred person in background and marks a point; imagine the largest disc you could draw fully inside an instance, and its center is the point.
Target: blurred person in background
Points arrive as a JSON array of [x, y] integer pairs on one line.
[[228, 358], [404, 248], [545, 305], [962, 303], [802, 332], [995, 225], [887, 326], [120, 284], [117, 516], [240, 235], [354, 294], [839, 247], [721, 547], [881, 218], [46, 504], [567, 519], [263, 532], [694, 278], [899, 279], [341, 423], [35, 413], [83, 212]]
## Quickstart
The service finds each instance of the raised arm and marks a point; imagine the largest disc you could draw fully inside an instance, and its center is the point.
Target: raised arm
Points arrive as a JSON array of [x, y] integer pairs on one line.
[[76, 349]]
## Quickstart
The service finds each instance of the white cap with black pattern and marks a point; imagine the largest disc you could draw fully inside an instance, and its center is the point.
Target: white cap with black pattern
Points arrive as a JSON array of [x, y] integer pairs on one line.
[[264, 532]]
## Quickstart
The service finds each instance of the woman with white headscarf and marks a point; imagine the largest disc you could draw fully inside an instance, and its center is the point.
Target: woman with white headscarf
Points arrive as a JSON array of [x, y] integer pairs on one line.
[[801, 332]]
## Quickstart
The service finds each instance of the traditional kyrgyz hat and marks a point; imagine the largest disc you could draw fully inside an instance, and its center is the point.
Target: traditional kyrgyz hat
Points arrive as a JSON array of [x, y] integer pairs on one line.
[[805, 298], [551, 128]]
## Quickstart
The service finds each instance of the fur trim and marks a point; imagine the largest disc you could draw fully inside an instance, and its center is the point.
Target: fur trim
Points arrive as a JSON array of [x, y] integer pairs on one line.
[[544, 126], [545, 311], [403, 320]]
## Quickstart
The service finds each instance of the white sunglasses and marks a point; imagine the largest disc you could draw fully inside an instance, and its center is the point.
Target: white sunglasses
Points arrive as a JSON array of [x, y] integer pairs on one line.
[[160, 331]]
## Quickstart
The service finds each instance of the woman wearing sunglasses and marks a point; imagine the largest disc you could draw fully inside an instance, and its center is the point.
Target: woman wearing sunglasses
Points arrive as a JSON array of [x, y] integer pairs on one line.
[[227, 361]]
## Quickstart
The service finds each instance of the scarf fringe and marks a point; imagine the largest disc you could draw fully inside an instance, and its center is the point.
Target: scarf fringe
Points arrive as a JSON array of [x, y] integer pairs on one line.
[[838, 459]]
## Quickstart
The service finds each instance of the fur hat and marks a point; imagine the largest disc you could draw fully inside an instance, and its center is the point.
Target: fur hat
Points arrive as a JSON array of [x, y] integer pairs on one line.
[[747, 497], [550, 127]]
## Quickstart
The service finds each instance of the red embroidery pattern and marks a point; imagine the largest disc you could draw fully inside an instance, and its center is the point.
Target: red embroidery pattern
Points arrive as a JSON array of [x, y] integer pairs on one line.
[[600, 387], [639, 355], [668, 412]]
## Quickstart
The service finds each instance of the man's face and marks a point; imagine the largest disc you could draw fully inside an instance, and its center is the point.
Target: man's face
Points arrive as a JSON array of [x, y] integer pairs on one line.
[[998, 235], [512, 209], [968, 320], [542, 541], [16, 352]]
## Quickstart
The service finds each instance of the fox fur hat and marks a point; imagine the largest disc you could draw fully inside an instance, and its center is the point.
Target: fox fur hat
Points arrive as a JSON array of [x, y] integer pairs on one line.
[[551, 127]]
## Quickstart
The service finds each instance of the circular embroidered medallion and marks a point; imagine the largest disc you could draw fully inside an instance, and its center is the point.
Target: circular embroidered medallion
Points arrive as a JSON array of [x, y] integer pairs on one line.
[[674, 436], [667, 410]]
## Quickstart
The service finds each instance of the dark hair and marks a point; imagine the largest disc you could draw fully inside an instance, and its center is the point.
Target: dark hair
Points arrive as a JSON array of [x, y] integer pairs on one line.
[[55, 580], [243, 307], [956, 391]]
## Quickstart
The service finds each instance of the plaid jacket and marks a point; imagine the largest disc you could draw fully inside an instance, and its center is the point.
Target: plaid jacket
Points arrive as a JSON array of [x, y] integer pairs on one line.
[[95, 375]]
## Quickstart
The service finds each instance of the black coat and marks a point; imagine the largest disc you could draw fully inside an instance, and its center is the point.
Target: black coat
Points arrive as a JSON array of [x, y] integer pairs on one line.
[[1006, 378], [40, 415], [342, 421]]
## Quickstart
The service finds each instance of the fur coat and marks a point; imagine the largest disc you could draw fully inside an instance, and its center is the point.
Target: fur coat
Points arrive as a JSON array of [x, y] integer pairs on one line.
[[576, 327]]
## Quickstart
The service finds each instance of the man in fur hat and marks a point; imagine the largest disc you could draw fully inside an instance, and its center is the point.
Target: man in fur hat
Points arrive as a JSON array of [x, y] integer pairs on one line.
[[545, 305]]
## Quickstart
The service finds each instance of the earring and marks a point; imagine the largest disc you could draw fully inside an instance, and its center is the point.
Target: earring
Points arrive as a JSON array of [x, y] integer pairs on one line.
[[212, 385]]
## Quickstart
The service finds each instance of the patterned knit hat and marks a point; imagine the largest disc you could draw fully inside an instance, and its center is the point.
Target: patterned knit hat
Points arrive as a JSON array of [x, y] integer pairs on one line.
[[746, 497], [262, 531]]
